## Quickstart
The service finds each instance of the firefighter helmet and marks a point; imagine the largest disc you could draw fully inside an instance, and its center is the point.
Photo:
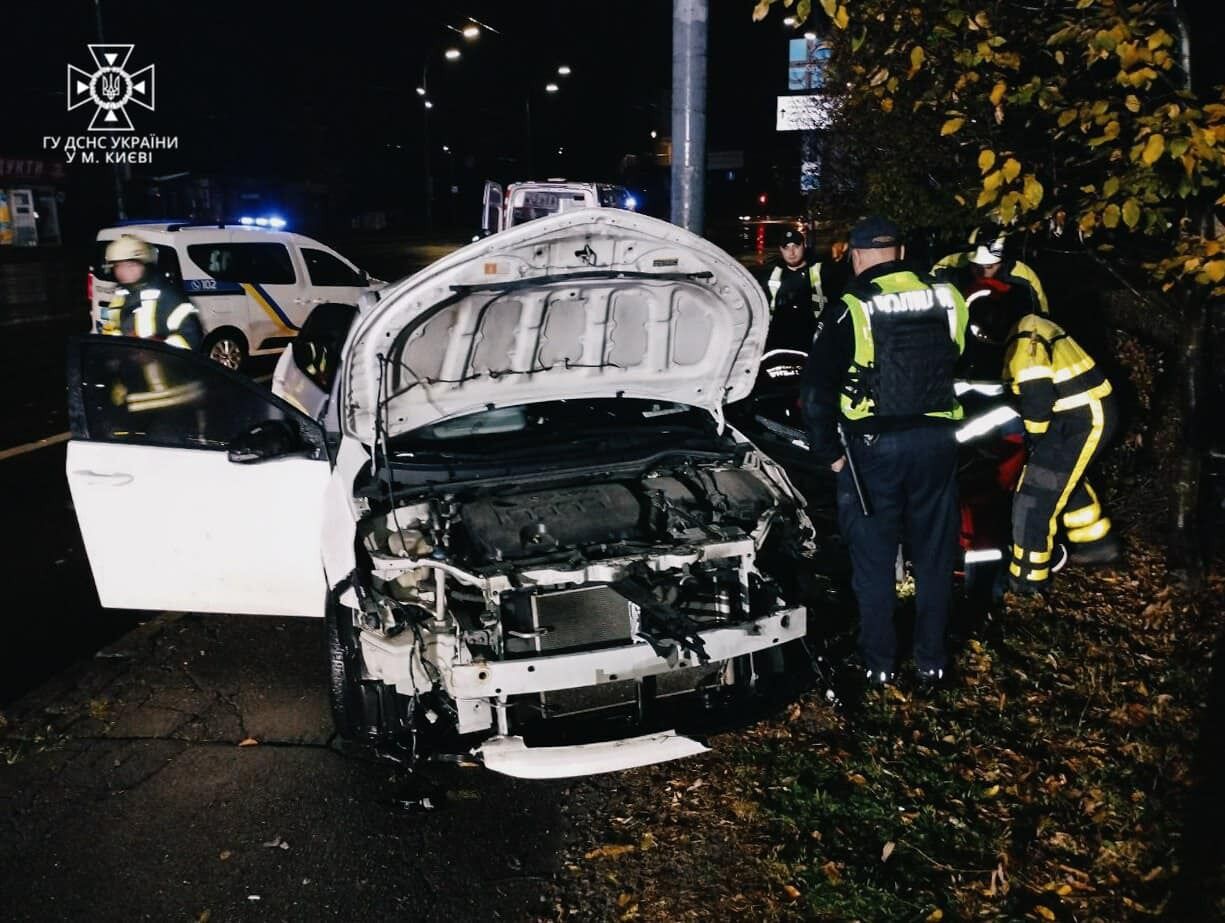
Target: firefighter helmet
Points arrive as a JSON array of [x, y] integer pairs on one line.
[[130, 247], [990, 253]]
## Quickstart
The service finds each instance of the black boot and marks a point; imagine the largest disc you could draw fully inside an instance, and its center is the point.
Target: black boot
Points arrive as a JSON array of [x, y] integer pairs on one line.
[[1105, 550]]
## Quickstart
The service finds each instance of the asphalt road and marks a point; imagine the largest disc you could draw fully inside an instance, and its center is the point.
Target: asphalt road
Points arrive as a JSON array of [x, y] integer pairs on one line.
[[129, 794]]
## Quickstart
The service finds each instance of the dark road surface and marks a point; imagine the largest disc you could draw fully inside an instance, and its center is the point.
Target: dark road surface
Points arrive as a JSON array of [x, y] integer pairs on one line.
[[128, 797]]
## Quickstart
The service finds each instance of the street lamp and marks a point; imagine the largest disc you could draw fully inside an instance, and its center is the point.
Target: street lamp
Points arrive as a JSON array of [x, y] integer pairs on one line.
[[420, 91], [550, 88], [564, 70], [451, 54], [471, 32], [428, 104]]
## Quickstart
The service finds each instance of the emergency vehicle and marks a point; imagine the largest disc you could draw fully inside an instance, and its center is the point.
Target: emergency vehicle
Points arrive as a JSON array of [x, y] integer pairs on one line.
[[521, 202], [254, 285]]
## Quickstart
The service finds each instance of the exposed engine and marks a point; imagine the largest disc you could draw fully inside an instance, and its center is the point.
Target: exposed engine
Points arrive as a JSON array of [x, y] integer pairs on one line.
[[528, 571]]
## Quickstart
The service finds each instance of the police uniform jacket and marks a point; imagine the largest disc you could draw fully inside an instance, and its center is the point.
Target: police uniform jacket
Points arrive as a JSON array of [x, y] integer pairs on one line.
[[883, 358]]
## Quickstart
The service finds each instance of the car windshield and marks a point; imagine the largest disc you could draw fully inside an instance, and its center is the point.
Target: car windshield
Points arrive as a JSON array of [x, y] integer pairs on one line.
[[606, 426]]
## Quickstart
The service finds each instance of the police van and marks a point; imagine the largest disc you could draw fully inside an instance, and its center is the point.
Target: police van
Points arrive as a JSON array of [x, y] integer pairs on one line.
[[253, 285], [520, 202]]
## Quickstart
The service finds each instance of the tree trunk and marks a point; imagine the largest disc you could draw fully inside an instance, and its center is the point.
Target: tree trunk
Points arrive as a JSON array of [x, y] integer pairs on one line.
[[1186, 549]]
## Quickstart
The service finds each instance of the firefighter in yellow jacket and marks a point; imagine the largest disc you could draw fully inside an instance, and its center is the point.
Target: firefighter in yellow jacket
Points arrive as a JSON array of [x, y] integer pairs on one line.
[[153, 309], [986, 266], [144, 306], [1070, 414]]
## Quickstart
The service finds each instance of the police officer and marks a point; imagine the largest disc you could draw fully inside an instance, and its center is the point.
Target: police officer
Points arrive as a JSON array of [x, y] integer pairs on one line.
[[985, 266], [144, 306], [881, 370], [1070, 414], [796, 295]]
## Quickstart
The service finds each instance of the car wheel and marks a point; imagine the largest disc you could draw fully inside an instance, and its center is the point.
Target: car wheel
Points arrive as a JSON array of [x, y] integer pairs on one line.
[[345, 670], [227, 348]]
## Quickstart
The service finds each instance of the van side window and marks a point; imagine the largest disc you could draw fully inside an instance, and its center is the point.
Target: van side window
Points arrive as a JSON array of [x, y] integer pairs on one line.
[[325, 269], [267, 263]]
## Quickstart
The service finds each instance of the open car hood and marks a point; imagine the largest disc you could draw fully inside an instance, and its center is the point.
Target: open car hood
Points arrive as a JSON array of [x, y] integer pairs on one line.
[[591, 303]]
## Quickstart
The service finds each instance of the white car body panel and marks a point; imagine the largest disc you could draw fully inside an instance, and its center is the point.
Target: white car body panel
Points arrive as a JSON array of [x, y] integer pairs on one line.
[[512, 757], [189, 530], [680, 338]]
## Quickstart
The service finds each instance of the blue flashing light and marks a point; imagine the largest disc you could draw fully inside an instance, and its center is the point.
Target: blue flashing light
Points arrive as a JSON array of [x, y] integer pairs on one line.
[[261, 222], [630, 202], [276, 222], [245, 219]]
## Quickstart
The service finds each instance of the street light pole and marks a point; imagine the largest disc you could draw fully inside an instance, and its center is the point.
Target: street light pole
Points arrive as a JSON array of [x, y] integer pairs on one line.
[[689, 25]]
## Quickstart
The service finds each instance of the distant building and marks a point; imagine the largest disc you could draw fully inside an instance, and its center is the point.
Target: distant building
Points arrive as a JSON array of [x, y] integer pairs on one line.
[[31, 191]]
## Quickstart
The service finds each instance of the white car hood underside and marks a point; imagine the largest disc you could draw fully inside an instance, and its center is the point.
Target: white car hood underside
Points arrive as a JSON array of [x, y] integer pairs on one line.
[[521, 317]]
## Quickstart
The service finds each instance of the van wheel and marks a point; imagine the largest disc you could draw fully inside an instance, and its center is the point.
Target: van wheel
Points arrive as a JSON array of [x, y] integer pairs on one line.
[[227, 348]]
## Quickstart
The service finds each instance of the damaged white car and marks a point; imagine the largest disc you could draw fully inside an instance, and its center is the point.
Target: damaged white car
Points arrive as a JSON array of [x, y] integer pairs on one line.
[[518, 505]]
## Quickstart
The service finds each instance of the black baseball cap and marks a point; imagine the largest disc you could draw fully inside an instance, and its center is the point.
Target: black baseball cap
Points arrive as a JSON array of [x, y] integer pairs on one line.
[[874, 233], [792, 236]]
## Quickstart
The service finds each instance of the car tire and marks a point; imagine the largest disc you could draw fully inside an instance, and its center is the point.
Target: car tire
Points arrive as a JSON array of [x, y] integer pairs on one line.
[[226, 347], [344, 671]]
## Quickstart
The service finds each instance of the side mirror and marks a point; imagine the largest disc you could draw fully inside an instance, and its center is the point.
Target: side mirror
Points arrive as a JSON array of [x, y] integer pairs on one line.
[[263, 442], [363, 278]]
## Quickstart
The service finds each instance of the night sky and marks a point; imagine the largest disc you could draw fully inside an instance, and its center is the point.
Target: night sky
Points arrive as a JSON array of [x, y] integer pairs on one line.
[[321, 91], [326, 92]]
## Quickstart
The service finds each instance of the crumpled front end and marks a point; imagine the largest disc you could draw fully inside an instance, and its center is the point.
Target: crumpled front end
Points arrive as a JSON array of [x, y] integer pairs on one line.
[[590, 606]]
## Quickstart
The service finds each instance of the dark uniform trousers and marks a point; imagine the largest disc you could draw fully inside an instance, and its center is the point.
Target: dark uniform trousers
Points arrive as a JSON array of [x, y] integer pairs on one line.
[[1054, 489], [910, 478]]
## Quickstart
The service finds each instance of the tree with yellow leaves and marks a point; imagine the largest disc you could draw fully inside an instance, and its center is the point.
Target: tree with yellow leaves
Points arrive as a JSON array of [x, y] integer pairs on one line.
[[1076, 114]]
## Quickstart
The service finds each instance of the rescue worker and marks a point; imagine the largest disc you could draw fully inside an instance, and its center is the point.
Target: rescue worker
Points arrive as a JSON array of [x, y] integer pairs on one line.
[[1069, 413], [154, 309], [880, 380], [796, 295], [143, 306], [985, 265]]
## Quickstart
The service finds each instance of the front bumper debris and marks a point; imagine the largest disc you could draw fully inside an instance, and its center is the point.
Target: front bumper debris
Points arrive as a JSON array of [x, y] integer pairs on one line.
[[512, 757]]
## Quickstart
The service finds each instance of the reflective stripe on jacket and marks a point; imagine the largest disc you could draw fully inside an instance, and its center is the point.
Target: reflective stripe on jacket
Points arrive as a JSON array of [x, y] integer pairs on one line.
[[1049, 371]]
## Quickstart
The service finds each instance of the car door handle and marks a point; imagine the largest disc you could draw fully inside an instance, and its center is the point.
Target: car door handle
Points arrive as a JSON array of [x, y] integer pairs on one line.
[[106, 478]]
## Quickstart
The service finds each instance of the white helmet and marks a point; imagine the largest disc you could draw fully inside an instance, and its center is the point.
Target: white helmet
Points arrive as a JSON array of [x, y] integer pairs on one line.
[[130, 247], [989, 254]]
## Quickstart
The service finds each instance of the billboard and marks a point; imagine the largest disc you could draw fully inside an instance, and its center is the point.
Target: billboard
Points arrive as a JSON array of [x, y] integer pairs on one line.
[[801, 113], [807, 63]]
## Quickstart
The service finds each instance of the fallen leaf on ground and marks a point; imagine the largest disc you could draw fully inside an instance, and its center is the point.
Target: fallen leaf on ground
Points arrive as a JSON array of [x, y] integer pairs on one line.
[[248, 742], [611, 851], [886, 852], [792, 892], [225, 854]]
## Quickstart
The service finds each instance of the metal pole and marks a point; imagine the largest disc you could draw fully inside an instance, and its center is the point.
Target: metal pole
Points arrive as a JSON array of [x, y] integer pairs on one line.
[[689, 26], [117, 169]]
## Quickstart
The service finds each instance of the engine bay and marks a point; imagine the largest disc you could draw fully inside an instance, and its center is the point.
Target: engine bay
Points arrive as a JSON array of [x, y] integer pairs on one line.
[[563, 566]]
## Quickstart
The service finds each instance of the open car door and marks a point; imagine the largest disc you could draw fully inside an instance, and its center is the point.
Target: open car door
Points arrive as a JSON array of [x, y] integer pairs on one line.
[[491, 216], [195, 488]]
